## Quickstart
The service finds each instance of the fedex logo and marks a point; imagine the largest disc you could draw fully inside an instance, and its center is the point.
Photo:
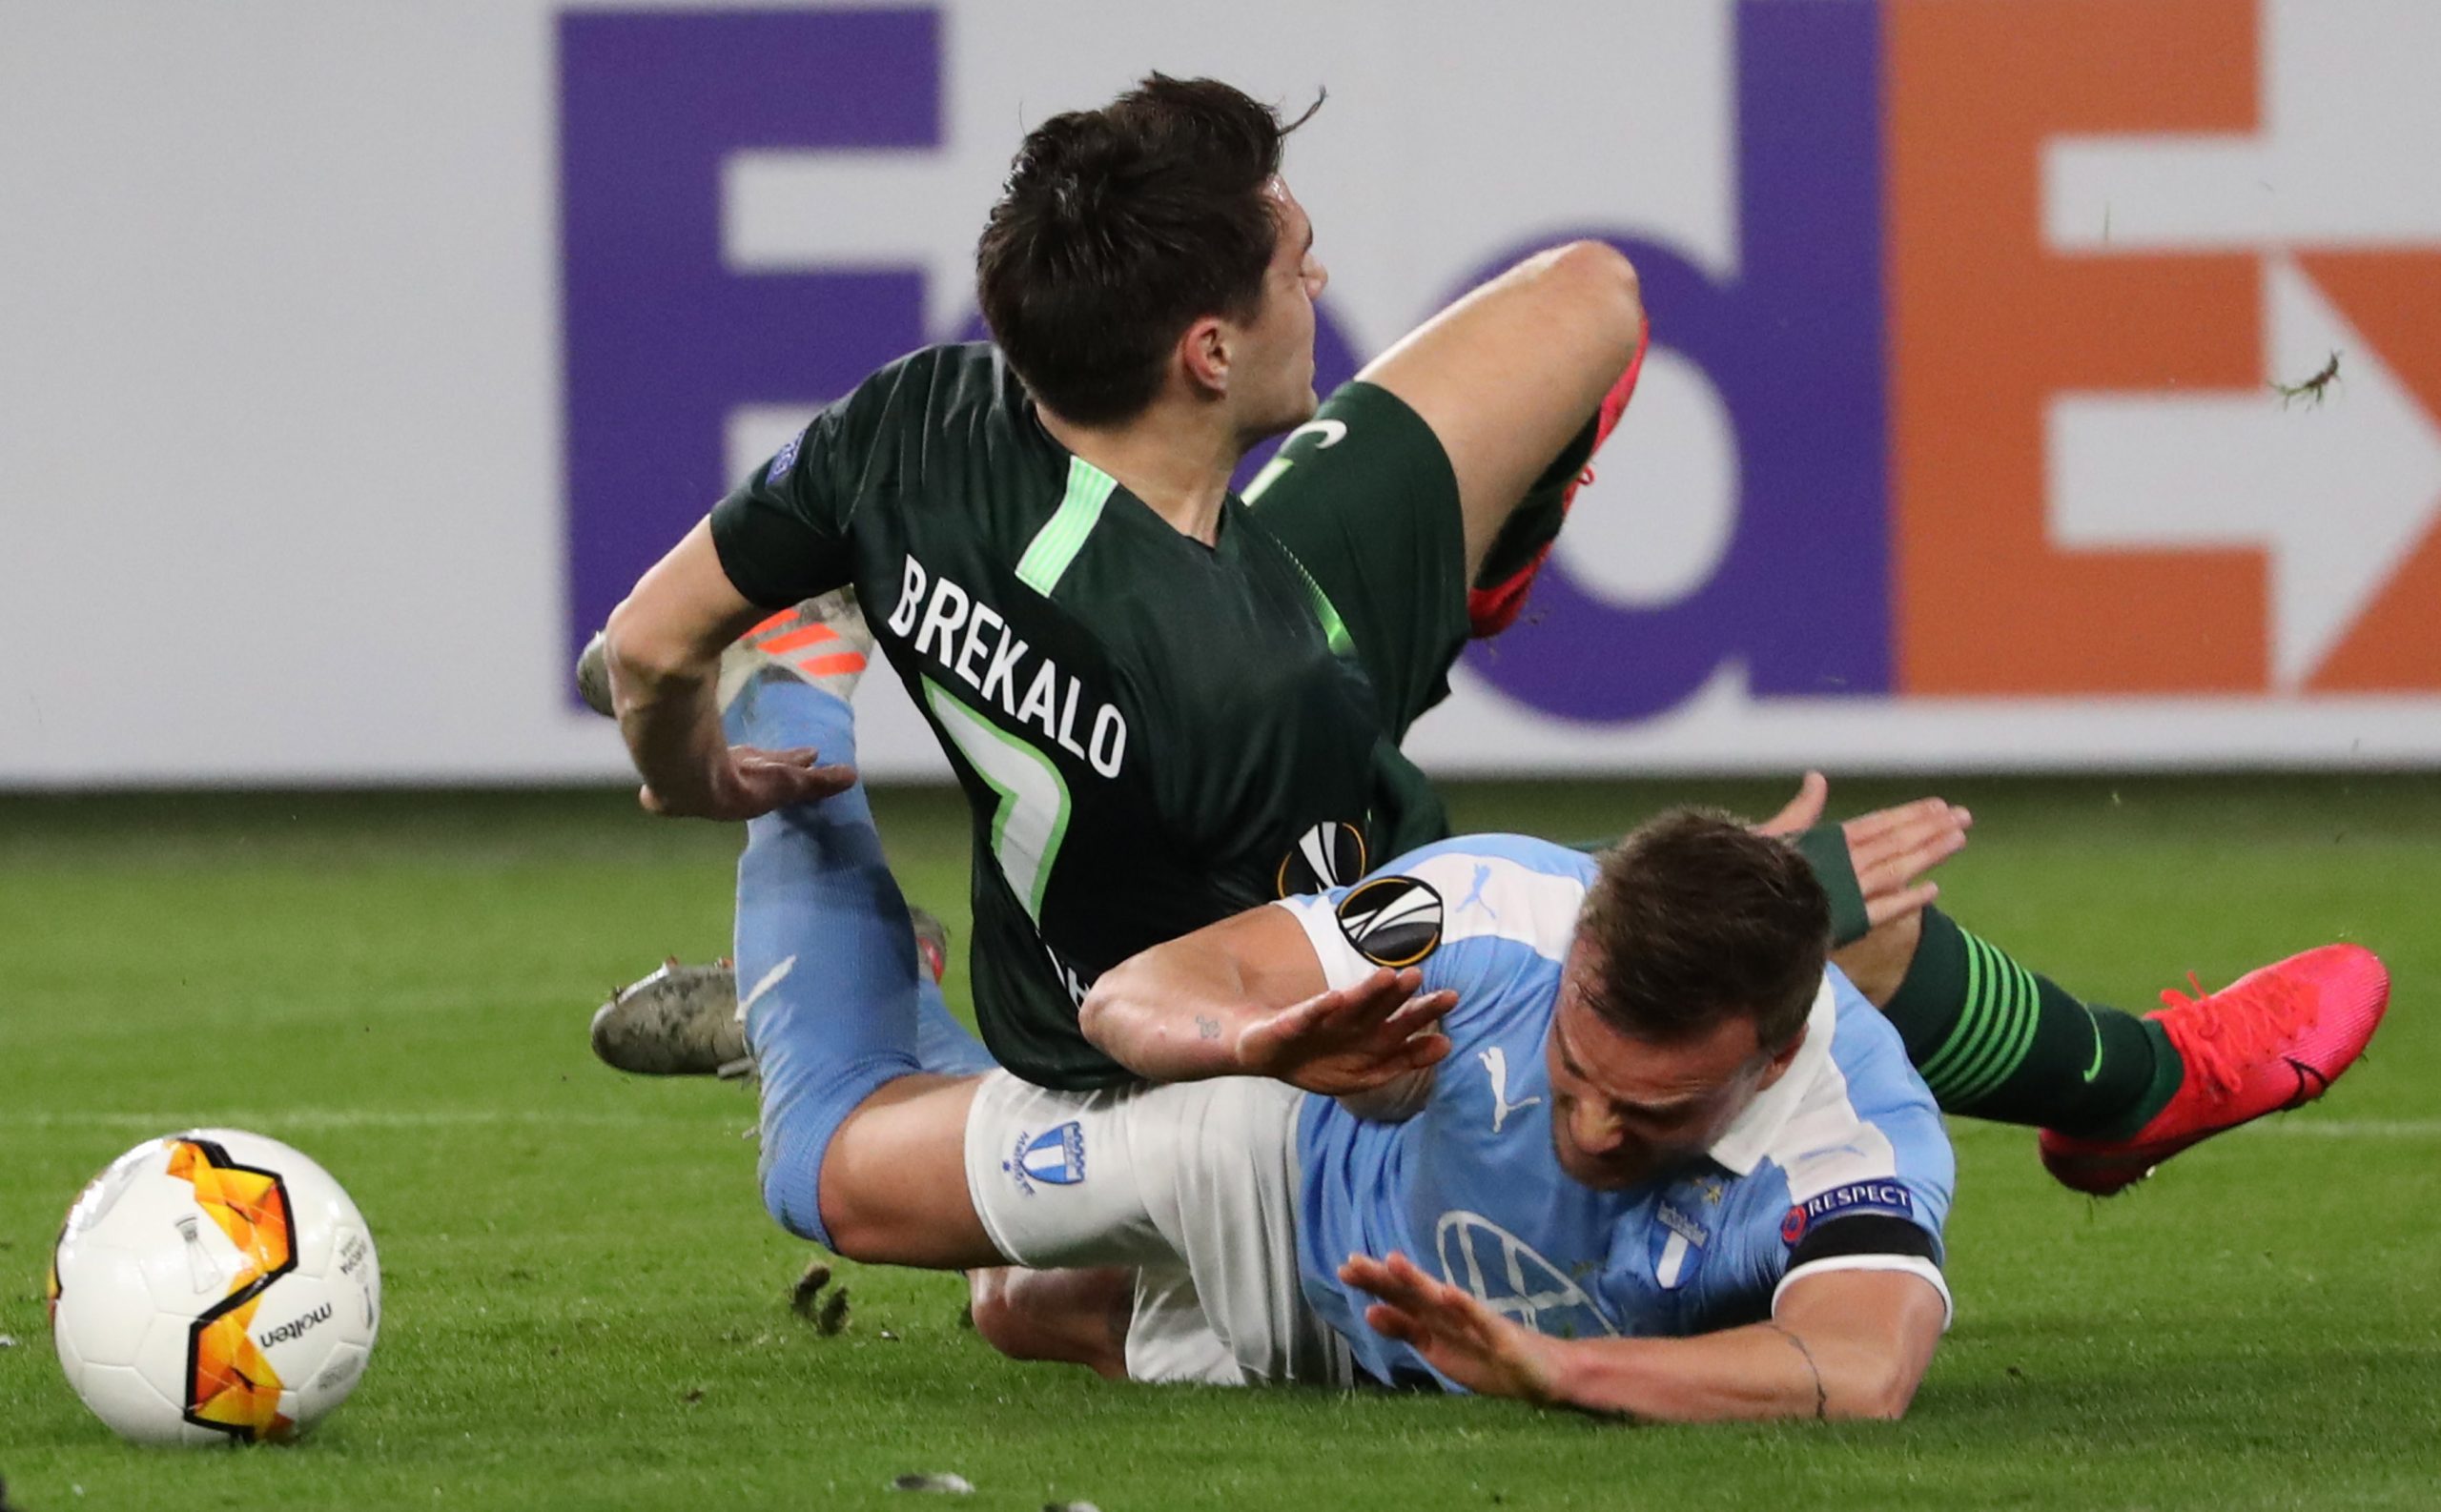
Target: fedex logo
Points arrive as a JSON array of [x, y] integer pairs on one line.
[[1988, 448], [664, 340], [1990, 367]]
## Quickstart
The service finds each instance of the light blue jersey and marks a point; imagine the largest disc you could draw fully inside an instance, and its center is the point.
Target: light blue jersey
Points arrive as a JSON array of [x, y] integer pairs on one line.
[[1471, 1186]]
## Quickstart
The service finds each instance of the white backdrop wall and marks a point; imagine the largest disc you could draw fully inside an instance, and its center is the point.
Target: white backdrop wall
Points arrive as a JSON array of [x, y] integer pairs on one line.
[[330, 333]]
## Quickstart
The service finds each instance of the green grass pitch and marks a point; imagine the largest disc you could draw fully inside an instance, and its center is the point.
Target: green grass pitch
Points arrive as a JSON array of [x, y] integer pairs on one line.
[[587, 1305]]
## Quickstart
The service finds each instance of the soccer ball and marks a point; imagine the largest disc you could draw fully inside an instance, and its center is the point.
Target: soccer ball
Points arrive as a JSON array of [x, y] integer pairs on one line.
[[212, 1286]]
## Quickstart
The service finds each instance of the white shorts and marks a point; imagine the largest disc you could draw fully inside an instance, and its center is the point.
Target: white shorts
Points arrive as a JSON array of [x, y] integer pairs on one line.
[[1194, 1186]]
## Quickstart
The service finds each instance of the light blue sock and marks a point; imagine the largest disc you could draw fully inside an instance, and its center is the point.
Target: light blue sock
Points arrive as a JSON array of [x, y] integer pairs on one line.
[[779, 713], [826, 958]]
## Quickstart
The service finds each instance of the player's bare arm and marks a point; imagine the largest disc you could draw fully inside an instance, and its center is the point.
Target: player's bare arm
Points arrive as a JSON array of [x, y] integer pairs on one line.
[[1246, 996], [664, 644], [1842, 1344]]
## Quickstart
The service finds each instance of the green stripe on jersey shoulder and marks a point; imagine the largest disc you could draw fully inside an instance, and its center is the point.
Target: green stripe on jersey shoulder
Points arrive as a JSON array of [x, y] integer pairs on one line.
[[1063, 535], [1334, 628]]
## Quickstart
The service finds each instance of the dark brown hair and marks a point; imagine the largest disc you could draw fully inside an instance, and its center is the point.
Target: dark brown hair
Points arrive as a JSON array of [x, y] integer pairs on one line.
[[1698, 918], [1117, 228]]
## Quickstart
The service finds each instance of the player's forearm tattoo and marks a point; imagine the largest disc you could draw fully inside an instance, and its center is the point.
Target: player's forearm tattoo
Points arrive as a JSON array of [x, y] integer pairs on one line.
[[1206, 1026], [1821, 1397]]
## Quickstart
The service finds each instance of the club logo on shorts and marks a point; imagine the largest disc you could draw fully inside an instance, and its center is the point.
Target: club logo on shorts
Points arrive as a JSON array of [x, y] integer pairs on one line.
[[1055, 1159], [1330, 855], [1392, 921]]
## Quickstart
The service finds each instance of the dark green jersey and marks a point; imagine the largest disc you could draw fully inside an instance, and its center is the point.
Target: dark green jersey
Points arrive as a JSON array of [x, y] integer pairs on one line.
[[1153, 733]]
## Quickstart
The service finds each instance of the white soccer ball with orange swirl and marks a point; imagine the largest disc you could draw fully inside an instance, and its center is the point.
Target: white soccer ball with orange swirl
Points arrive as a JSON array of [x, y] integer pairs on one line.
[[211, 1286]]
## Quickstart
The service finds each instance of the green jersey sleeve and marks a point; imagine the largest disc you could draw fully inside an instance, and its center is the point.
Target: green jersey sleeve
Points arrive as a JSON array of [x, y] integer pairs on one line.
[[783, 534]]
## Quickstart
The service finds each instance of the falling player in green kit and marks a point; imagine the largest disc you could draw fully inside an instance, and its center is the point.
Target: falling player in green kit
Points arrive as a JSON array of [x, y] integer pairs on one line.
[[1150, 691], [1166, 705]]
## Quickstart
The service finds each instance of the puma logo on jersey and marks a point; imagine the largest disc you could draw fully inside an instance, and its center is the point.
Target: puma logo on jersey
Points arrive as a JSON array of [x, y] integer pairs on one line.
[[988, 658], [1474, 898], [1496, 1065]]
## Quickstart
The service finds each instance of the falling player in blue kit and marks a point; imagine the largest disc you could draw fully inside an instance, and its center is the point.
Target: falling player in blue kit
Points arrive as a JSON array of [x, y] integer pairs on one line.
[[1691, 1186], [1504, 1118]]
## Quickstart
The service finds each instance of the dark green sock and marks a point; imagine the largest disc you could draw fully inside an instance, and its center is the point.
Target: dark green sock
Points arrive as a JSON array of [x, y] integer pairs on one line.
[[1994, 1040], [1535, 522]]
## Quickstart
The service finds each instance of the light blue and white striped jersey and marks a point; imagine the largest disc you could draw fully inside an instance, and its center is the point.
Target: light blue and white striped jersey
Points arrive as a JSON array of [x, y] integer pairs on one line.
[[1471, 1186]]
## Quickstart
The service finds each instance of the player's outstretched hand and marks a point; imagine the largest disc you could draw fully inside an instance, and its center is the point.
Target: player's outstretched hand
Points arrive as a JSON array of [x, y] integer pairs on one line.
[[753, 781], [1892, 848], [1350, 1039], [1455, 1332], [1801, 812]]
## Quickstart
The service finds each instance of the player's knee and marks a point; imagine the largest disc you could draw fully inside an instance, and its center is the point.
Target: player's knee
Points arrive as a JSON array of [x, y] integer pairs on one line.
[[1599, 284], [829, 1215], [1602, 270], [1000, 1321], [829, 1209], [1004, 1319], [851, 1234], [817, 1181], [1029, 1316]]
